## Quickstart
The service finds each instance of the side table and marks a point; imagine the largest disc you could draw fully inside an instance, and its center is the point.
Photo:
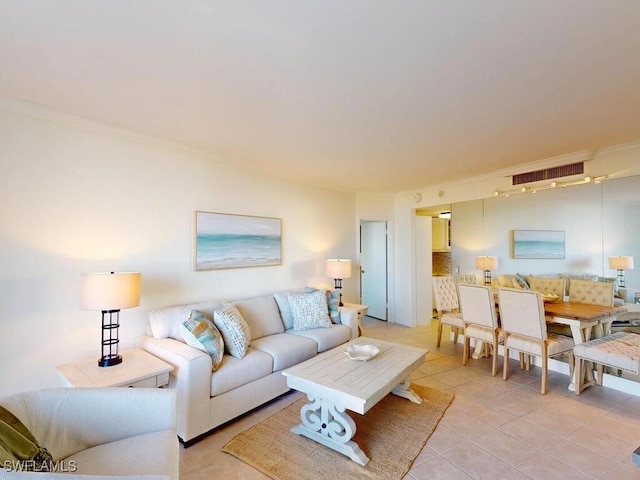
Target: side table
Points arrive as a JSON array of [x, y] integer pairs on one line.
[[138, 369], [361, 309]]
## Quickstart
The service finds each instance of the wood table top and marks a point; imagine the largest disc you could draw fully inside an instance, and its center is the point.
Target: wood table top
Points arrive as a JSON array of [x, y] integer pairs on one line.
[[580, 311]]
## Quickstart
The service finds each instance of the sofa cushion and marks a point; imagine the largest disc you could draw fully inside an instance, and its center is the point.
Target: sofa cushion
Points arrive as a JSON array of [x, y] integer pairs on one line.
[[262, 315], [309, 310], [573, 276], [130, 456], [200, 332], [282, 299], [234, 329], [235, 372], [505, 280], [165, 322], [286, 350], [326, 338]]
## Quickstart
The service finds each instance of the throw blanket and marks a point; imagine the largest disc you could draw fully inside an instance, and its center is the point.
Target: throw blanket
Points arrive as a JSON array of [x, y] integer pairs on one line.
[[19, 449]]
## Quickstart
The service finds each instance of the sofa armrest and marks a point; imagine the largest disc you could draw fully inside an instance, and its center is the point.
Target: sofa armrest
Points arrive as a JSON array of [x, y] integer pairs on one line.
[[70, 420], [627, 294], [191, 377], [349, 317]]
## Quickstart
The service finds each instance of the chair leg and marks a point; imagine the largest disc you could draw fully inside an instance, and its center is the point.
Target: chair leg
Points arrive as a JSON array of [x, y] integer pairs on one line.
[[465, 352], [545, 364], [494, 360], [600, 378], [505, 364], [579, 367], [543, 386], [521, 357], [455, 334], [439, 334]]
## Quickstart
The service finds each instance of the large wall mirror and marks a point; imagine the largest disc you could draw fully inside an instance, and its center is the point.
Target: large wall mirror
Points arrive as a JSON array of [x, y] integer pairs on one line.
[[598, 221]]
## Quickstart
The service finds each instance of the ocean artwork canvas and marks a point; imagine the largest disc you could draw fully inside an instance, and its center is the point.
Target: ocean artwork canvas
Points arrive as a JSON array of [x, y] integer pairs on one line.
[[236, 241], [548, 244]]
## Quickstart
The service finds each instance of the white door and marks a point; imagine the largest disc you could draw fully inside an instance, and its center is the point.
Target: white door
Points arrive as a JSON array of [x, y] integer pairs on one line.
[[373, 266]]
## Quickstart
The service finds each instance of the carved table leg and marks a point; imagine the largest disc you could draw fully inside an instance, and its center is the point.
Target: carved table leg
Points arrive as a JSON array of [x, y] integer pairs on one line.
[[329, 425], [404, 391]]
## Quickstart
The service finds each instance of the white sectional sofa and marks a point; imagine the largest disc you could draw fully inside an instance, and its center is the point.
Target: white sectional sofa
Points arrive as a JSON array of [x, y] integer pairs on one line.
[[207, 398]]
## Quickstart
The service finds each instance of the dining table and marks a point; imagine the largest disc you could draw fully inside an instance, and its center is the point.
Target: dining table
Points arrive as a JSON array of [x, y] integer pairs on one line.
[[581, 318]]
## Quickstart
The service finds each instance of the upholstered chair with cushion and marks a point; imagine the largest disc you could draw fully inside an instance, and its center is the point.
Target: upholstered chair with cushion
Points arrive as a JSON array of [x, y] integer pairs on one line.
[[593, 293], [445, 294], [524, 329], [480, 320], [548, 286]]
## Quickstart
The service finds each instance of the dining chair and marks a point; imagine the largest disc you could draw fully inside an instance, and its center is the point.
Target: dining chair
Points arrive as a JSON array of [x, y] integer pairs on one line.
[[445, 295], [549, 286], [478, 308], [593, 293], [524, 329]]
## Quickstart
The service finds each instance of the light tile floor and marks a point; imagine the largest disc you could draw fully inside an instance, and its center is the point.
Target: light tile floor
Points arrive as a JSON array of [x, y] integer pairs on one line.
[[493, 430]]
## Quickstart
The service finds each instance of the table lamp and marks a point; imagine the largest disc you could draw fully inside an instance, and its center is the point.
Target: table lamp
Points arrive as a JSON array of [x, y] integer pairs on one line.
[[621, 264], [109, 293], [486, 263], [338, 268]]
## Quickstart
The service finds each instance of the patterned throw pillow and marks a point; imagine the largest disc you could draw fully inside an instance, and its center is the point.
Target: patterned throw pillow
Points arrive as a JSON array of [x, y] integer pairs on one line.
[[309, 310], [333, 301], [201, 333], [520, 282], [234, 329]]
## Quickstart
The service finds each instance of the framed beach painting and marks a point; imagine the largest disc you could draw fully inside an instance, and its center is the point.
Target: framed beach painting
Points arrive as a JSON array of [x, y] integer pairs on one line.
[[235, 241], [538, 244]]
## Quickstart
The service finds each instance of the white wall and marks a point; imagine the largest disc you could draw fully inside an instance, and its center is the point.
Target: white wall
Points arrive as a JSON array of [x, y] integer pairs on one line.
[[85, 199]]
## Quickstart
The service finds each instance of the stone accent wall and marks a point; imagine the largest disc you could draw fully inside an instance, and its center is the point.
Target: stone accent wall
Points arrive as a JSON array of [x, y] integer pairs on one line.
[[441, 263]]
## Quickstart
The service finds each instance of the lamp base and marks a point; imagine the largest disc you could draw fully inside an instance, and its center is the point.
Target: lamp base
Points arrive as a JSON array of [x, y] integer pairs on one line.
[[110, 361], [110, 341]]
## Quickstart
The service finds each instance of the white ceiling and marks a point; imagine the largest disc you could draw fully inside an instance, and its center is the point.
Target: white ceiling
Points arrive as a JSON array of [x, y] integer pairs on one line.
[[371, 95]]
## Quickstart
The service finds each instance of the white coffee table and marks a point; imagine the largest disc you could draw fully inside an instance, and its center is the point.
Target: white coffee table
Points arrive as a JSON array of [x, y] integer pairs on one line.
[[335, 383]]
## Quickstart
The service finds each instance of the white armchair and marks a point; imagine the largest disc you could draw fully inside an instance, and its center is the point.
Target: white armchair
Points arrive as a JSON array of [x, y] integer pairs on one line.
[[112, 432]]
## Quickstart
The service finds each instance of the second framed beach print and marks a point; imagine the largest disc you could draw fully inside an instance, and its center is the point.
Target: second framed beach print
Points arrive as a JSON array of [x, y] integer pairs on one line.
[[236, 241], [538, 244]]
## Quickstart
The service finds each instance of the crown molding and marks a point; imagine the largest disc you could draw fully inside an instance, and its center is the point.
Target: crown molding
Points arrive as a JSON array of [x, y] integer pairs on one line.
[[34, 110]]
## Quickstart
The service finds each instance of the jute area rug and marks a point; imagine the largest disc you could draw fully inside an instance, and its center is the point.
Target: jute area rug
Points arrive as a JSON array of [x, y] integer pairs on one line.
[[391, 434]]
